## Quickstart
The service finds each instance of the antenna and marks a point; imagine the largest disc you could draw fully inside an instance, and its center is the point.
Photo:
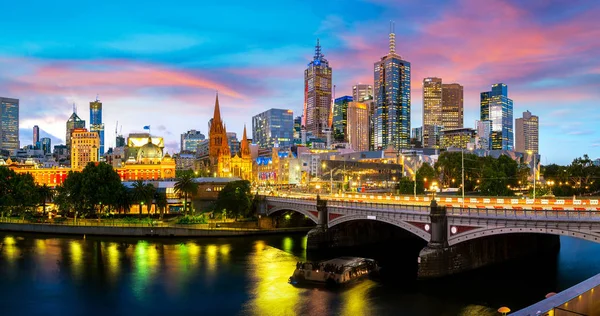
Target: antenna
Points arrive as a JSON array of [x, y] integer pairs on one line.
[[392, 38], [318, 50], [74, 108], [97, 98]]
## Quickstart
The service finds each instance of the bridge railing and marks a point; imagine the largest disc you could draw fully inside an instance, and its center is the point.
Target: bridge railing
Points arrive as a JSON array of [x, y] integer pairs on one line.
[[350, 204], [525, 214]]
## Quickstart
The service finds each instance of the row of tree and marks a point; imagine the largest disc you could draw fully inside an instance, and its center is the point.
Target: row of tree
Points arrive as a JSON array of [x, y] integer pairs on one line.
[[581, 177], [20, 193]]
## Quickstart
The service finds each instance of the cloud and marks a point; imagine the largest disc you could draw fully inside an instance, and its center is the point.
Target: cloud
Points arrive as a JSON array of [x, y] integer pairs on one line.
[[153, 43]]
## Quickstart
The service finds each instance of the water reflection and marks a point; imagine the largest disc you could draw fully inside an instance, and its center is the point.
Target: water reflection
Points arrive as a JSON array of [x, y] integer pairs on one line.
[[113, 257], [76, 259], [357, 301], [145, 266]]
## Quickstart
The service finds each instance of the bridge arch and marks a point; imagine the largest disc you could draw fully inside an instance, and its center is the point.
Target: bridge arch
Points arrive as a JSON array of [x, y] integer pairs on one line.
[[297, 210], [485, 232], [398, 223]]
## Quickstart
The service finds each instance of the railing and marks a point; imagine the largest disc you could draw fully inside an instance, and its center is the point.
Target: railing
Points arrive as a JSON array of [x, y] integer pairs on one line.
[[525, 214]]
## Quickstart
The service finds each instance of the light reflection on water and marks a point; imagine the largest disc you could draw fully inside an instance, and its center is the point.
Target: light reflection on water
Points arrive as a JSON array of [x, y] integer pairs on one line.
[[220, 276]]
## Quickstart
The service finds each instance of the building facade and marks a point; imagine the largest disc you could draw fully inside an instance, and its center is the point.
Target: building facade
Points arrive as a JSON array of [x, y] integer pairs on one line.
[[233, 142], [46, 145], [190, 140], [340, 118], [219, 153], [362, 92], [72, 123], [358, 126], [392, 100], [452, 106], [84, 148], [497, 108], [96, 124], [457, 138], [527, 133], [9, 124], [274, 126], [432, 111], [297, 130], [484, 131], [317, 94], [36, 136]]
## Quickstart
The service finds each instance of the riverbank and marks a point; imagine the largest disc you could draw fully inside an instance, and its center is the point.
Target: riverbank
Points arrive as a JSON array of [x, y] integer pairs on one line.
[[142, 230]]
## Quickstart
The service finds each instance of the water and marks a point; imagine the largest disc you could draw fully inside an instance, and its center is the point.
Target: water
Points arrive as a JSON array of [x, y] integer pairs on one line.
[[49, 275]]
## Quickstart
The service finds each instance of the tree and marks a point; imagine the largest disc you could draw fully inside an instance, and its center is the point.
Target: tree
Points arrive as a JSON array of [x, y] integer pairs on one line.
[[123, 199], [186, 187], [161, 202], [235, 199], [45, 194], [425, 175], [139, 193], [149, 190]]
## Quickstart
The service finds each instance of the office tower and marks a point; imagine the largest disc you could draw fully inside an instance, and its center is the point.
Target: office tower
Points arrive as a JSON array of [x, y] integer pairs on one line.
[[456, 137], [84, 147], [362, 92], [527, 133], [36, 135], [190, 140], [498, 108], [484, 131], [416, 137], [358, 126], [432, 111], [9, 124], [233, 142], [317, 94], [46, 145], [274, 126], [72, 123], [96, 124], [371, 107], [120, 141], [392, 100], [297, 127], [340, 109], [452, 106]]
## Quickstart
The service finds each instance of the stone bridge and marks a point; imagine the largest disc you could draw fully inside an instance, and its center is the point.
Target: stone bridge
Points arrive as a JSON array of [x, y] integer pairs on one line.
[[445, 228]]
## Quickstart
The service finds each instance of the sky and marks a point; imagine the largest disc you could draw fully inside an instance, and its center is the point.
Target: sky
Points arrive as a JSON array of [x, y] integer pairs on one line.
[[160, 63]]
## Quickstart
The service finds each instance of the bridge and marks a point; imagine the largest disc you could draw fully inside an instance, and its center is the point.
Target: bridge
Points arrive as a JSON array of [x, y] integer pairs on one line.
[[447, 229]]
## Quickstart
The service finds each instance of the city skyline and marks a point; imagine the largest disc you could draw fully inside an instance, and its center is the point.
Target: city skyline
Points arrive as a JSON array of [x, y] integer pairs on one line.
[[548, 60]]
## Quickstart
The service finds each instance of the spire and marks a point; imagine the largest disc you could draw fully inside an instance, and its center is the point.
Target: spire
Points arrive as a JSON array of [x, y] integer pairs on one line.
[[244, 147], [318, 54], [392, 38], [217, 114]]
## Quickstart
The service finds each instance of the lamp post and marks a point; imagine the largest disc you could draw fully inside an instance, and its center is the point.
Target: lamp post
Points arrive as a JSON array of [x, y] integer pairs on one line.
[[462, 151], [534, 170]]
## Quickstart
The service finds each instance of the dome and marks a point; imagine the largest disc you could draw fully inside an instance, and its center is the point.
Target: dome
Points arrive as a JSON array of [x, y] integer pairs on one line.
[[149, 151]]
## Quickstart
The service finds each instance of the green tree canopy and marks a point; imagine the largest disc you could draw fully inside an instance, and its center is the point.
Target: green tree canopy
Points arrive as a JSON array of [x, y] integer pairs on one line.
[[235, 199]]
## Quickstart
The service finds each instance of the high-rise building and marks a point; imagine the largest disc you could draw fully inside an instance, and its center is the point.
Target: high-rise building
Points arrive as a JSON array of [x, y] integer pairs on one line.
[[96, 124], [432, 111], [498, 108], [46, 145], [274, 126], [456, 138], [297, 128], [233, 142], [484, 131], [340, 116], [84, 147], [36, 135], [358, 126], [362, 92], [190, 140], [416, 137], [527, 133], [452, 106], [9, 124], [72, 123], [392, 100], [317, 95]]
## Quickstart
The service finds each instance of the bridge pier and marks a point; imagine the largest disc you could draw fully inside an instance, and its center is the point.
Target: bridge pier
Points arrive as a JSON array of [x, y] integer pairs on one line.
[[319, 237], [438, 259]]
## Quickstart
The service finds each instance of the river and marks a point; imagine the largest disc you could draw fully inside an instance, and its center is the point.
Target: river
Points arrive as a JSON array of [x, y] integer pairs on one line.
[[51, 275]]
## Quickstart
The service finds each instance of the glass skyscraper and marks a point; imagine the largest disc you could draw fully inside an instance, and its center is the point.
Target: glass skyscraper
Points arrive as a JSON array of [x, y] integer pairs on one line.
[[432, 111], [96, 124], [317, 95], [392, 100], [273, 126], [190, 140], [497, 108], [9, 124], [340, 118], [72, 123]]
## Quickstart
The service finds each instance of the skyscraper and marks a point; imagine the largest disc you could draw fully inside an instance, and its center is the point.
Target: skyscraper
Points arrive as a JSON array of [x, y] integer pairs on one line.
[[274, 126], [297, 129], [498, 108], [432, 111], [362, 92], [317, 94], [452, 106], [340, 116], [96, 124], [46, 145], [84, 147], [527, 133], [358, 126], [36, 135], [72, 123], [190, 140], [9, 124], [392, 100]]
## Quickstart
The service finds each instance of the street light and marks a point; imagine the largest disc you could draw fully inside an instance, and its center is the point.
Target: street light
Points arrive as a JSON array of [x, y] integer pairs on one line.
[[534, 170]]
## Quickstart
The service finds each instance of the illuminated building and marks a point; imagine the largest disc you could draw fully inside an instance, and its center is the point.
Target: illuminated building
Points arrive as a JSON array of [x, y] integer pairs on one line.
[[340, 116], [297, 129], [233, 142], [273, 126], [9, 124], [358, 126], [392, 100], [72, 123], [484, 130], [84, 148], [432, 111], [452, 106], [36, 135], [317, 114], [46, 145], [456, 138], [241, 162], [498, 108], [362, 92], [190, 140], [96, 124], [527, 133], [278, 168]]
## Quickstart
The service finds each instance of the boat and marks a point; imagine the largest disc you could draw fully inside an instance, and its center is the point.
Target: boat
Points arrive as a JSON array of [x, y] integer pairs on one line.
[[333, 272]]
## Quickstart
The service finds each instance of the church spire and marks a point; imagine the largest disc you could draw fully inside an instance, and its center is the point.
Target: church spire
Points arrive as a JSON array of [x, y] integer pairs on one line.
[[217, 114], [244, 147]]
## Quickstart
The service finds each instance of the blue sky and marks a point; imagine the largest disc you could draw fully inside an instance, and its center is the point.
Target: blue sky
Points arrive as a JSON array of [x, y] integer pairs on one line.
[[160, 63]]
